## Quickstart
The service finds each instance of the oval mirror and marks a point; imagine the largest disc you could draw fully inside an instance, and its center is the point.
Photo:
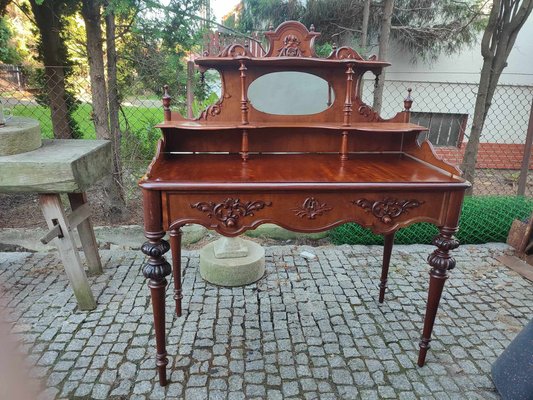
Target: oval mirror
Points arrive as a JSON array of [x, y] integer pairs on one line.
[[290, 93]]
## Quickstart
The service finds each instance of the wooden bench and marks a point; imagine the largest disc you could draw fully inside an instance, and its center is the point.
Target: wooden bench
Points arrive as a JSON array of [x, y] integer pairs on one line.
[[71, 167]]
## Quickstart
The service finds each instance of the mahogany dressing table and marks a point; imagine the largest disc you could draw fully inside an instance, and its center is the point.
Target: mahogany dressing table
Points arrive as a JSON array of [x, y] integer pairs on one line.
[[236, 167]]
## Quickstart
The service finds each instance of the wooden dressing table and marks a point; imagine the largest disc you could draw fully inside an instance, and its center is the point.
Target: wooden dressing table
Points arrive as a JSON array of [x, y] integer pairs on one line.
[[236, 167]]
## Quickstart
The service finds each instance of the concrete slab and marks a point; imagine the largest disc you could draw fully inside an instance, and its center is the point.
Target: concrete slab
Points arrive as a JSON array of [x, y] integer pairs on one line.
[[19, 135], [233, 271], [59, 166], [126, 237]]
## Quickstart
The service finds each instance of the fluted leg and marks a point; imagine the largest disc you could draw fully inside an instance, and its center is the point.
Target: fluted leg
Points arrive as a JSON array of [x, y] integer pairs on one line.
[[175, 245], [155, 271], [387, 250], [440, 261]]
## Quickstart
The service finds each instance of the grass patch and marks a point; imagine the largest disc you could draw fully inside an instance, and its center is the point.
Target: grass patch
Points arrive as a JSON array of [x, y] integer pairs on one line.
[[134, 119], [484, 219]]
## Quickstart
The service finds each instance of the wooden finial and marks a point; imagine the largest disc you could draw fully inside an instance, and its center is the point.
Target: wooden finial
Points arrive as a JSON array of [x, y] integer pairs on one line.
[[166, 103], [312, 28], [408, 101], [271, 27]]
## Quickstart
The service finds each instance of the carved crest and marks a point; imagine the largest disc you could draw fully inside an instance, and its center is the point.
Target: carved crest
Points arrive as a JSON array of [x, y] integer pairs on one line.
[[388, 209], [291, 47], [311, 208], [230, 210], [291, 39]]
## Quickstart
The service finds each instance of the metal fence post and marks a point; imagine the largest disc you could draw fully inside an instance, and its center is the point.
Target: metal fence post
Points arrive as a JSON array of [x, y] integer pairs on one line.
[[527, 155], [190, 89]]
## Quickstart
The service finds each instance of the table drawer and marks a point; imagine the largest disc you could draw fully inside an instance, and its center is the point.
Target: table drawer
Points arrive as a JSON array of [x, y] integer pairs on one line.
[[231, 213]]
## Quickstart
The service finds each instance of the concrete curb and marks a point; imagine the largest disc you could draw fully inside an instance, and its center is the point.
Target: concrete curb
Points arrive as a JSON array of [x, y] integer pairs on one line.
[[131, 237]]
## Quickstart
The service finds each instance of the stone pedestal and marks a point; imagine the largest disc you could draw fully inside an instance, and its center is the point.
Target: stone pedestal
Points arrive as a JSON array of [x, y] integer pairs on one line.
[[19, 135], [232, 262]]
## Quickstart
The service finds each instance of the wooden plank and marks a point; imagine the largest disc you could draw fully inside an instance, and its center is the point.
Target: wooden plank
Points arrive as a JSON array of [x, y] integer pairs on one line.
[[445, 125], [517, 265], [52, 234], [79, 215], [53, 212], [78, 202]]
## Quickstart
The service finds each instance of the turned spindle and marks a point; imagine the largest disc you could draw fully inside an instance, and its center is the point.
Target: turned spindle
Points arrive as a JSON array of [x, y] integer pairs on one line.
[[244, 145], [244, 99], [344, 146], [408, 101], [348, 101]]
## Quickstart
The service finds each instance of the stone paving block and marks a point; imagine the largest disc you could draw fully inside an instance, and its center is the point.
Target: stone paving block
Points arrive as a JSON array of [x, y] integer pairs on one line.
[[307, 330]]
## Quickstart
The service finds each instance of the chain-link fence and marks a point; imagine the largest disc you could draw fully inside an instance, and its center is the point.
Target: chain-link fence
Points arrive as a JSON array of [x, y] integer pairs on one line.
[[445, 107]]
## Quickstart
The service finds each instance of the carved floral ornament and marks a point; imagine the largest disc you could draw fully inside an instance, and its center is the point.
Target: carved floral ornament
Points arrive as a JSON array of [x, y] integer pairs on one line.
[[291, 47], [311, 208], [230, 210], [388, 209]]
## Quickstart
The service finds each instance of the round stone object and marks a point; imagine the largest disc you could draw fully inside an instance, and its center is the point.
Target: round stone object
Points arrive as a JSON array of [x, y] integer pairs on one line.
[[237, 271], [19, 135]]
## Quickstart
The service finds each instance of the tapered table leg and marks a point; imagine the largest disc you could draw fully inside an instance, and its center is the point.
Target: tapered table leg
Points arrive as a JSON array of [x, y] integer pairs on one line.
[[440, 261], [156, 270], [387, 250], [175, 246]]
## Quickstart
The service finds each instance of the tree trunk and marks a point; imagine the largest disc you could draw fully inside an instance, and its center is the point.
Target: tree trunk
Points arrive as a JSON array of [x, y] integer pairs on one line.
[[505, 21], [364, 39], [53, 54], [118, 201], [114, 205], [386, 22], [364, 26], [90, 11]]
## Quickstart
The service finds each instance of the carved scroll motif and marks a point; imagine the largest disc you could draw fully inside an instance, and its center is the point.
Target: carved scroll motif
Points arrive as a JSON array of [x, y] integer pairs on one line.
[[291, 47], [388, 209], [367, 112], [215, 109], [311, 208], [235, 50], [344, 53], [211, 111], [230, 210]]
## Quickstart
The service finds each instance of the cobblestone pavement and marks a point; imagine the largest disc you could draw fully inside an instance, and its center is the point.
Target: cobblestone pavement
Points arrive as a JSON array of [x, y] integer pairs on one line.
[[307, 330]]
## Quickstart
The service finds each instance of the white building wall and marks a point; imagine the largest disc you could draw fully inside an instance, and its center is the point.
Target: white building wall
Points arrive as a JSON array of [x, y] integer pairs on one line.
[[450, 85]]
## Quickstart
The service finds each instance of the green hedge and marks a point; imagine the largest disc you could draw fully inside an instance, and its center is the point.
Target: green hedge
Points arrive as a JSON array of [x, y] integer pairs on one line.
[[484, 219]]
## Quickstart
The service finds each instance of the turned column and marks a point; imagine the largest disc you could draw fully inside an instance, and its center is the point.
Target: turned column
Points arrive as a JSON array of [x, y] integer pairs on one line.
[[387, 251], [156, 270], [175, 245], [441, 262]]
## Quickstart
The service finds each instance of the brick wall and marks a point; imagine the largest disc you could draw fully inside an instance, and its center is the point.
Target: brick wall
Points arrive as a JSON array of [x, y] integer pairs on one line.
[[490, 155]]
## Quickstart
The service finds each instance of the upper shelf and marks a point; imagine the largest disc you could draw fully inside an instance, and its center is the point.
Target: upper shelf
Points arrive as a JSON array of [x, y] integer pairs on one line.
[[217, 62], [400, 127]]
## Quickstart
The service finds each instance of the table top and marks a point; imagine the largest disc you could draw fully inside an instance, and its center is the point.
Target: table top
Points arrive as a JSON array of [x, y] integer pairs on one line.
[[59, 166], [296, 171]]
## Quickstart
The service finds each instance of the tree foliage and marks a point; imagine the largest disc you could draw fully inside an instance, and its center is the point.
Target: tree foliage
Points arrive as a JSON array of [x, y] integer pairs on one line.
[[424, 27], [8, 52]]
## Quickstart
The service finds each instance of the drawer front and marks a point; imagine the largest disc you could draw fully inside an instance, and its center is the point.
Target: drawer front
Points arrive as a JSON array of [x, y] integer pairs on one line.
[[231, 214]]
